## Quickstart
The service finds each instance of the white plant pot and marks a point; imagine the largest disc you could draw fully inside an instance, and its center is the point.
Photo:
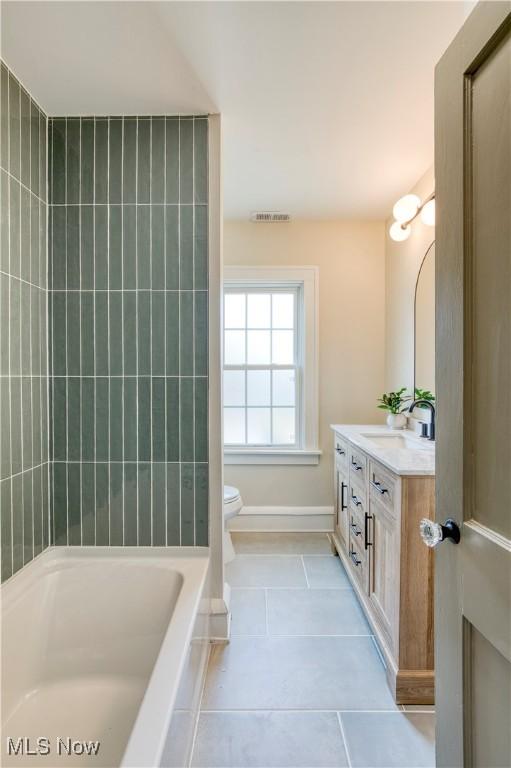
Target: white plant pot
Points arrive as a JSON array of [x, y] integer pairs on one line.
[[396, 420]]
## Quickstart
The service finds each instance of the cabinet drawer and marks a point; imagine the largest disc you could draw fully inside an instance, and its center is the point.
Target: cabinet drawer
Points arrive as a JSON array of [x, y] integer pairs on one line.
[[357, 498], [358, 467], [340, 452], [359, 561], [382, 486]]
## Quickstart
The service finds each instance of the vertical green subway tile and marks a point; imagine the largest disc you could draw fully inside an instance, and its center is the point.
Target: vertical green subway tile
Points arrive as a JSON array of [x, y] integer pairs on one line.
[[172, 334], [172, 419], [116, 504], [201, 506], [73, 248], [45, 505], [100, 161], [116, 420], [158, 247], [143, 247], [186, 407], [5, 522], [187, 505], [101, 332], [186, 247], [4, 221], [35, 258], [43, 168], [59, 343], [45, 417], [74, 437], [17, 522], [34, 149], [144, 505], [26, 310], [186, 334], [14, 126], [186, 160], [37, 426], [102, 401], [25, 240], [87, 405], [129, 182], [130, 504], [87, 333], [58, 250], [73, 160], [28, 539], [158, 333], [172, 247], [86, 247], [200, 160], [14, 228], [158, 418], [4, 325], [129, 247], [173, 505], [87, 161], [73, 333], [37, 511], [201, 419], [201, 333], [43, 247], [144, 161], [115, 161], [100, 247], [59, 418], [88, 503], [58, 152], [158, 160], [130, 419], [115, 331], [26, 413], [25, 137], [144, 333], [60, 502], [74, 504], [102, 505], [159, 504], [144, 418], [5, 430], [115, 248], [15, 315], [4, 118], [172, 159], [130, 333], [201, 248]]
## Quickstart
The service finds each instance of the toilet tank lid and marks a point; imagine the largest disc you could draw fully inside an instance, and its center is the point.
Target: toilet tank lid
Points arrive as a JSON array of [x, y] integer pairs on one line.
[[230, 493]]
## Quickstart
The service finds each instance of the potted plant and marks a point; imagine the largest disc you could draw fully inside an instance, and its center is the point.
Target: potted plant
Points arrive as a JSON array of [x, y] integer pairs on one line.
[[424, 394], [394, 403]]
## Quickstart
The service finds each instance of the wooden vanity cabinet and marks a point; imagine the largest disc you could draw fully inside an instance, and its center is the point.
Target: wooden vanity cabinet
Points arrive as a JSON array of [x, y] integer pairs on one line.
[[377, 538]]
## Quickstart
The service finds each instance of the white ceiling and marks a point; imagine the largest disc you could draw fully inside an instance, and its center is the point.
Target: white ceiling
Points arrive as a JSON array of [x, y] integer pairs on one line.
[[327, 106]]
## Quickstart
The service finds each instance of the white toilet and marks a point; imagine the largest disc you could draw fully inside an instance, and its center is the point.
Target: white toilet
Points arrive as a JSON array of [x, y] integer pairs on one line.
[[232, 505]]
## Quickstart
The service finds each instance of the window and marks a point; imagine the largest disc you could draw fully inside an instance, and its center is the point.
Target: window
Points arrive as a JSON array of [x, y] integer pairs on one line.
[[267, 373]]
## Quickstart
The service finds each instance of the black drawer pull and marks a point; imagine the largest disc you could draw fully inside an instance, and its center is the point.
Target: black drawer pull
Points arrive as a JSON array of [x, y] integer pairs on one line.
[[356, 467], [354, 558], [356, 501], [376, 484], [340, 451], [343, 488], [367, 543]]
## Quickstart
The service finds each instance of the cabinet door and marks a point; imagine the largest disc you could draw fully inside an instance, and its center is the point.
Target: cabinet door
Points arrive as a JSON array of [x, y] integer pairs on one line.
[[342, 507], [384, 570]]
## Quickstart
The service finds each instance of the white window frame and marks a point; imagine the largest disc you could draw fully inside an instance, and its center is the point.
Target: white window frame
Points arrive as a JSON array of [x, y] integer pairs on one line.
[[306, 280]]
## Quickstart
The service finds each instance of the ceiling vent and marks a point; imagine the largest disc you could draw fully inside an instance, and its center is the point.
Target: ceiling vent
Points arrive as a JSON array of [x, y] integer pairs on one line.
[[269, 217]]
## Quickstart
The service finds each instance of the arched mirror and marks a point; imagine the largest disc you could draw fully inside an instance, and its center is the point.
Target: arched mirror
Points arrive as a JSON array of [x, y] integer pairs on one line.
[[424, 323]]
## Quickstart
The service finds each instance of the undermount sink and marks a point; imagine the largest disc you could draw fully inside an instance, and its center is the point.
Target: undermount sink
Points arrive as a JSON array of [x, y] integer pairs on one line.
[[399, 441]]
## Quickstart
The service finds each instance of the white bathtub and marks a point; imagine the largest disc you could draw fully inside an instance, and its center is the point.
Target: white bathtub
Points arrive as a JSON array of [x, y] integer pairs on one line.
[[94, 644]]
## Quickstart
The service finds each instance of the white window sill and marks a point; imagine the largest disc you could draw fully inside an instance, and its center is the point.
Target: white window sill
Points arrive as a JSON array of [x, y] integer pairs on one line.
[[270, 456]]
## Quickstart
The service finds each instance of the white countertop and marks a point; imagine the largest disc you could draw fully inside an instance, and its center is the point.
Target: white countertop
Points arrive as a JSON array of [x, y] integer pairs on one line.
[[415, 457]]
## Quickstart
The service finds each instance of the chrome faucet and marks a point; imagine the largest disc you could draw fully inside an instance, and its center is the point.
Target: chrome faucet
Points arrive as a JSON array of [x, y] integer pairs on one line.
[[426, 432]]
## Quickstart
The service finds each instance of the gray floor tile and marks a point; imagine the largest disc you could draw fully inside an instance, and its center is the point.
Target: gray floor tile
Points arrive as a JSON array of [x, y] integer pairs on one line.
[[292, 543], [269, 740], [248, 612], [315, 612], [296, 673], [326, 572], [265, 571], [390, 740]]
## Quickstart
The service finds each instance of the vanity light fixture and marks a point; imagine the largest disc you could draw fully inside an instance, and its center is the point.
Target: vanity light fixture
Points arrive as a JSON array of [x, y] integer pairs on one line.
[[406, 210]]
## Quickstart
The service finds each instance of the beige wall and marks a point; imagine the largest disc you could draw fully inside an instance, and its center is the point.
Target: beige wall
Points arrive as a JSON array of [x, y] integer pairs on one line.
[[402, 262], [351, 260]]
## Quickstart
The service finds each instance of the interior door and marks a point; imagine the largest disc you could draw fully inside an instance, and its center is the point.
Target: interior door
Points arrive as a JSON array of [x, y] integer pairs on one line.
[[473, 369]]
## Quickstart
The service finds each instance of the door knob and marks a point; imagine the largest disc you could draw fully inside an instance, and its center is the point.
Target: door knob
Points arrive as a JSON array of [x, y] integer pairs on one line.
[[433, 533]]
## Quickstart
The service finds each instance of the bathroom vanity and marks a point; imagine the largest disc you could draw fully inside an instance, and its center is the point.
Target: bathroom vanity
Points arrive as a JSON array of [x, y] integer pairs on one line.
[[384, 485]]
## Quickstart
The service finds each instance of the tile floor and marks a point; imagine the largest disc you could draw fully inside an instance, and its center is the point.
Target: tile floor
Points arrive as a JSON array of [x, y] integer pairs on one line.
[[301, 684]]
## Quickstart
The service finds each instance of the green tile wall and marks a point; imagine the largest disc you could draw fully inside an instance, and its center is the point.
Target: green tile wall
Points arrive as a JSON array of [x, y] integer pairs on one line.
[[24, 530], [128, 325]]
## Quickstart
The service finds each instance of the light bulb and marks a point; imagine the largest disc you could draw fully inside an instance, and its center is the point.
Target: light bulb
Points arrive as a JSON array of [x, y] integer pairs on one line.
[[398, 232], [406, 207], [428, 213]]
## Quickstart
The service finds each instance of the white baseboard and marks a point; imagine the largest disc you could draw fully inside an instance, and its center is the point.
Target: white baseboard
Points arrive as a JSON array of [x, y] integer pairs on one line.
[[261, 519], [220, 617]]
